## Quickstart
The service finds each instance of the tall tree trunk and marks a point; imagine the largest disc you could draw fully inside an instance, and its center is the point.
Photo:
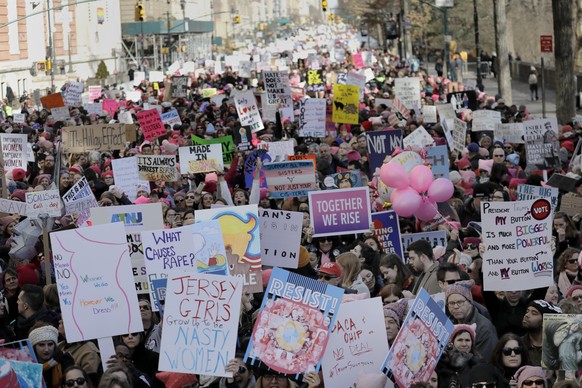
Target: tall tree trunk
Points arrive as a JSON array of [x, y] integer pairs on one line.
[[504, 76], [563, 13], [406, 30]]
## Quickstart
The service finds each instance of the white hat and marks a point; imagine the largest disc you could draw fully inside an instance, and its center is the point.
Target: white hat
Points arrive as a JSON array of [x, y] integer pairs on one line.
[[44, 333]]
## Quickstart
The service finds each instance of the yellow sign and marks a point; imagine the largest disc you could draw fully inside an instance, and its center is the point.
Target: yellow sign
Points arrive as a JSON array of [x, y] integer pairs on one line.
[[208, 92], [345, 104]]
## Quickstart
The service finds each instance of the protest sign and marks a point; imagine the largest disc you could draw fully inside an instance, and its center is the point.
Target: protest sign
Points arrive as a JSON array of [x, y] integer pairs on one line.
[[420, 342], [290, 179], [466, 99], [526, 192], [244, 69], [171, 118], [79, 200], [459, 133], [126, 176], [387, 232], [12, 207], [522, 231], [251, 165], [179, 86], [21, 374], [240, 228], [562, 334], [61, 113], [94, 279], [312, 117], [315, 81], [54, 100], [110, 106], [277, 87], [159, 288], [156, 76], [289, 301], [343, 180], [419, 137], [346, 99], [200, 158], [18, 351], [565, 183], [407, 90], [570, 204], [18, 118], [277, 150], [429, 114], [226, 143], [151, 124], [209, 92], [95, 108], [358, 60], [342, 211], [14, 151], [280, 237], [304, 157], [43, 202], [446, 111], [382, 101], [248, 110], [485, 120], [94, 93], [357, 343], [382, 144], [73, 91], [243, 139], [541, 143], [101, 137], [510, 133], [136, 219], [157, 167], [438, 157], [437, 238], [209, 254], [200, 323]]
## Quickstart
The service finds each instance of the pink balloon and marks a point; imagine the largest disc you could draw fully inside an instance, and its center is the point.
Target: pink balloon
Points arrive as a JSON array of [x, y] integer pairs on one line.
[[441, 190], [394, 175], [427, 210], [406, 202], [420, 178]]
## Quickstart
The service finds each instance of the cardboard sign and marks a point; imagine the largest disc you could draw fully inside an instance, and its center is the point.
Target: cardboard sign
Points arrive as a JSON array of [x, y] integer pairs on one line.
[[526, 192], [14, 151], [312, 117], [289, 301], [179, 86], [290, 179], [158, 167], [12, 207], [337, 212], [277, 87], [419, 137], [151, 124], [357, 343], [126, 176], [522, 232], [136, 218], [171, 118], [571, 205], [53, 101], [280, 237], [248, 110], [201, 312], [485, 120], [226, 143], [510, 133], [73, 93], [43, 202], [437, 238], [240, 227], [382, 144], [387, 232], [541, 143], [565, 183], [200, 158], [438, 157], [561, 334], [343, 180], [100, 137], [446, 111], [93, 276], [346, 99], [407, 90], [420, 342]]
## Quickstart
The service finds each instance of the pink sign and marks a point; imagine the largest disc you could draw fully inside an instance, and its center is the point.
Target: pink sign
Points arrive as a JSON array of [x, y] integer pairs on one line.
[[110, 106], [358, 60], [151, 124]]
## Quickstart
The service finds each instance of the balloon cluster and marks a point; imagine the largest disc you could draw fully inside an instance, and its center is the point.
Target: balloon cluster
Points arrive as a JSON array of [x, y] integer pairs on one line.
[[415, 193]]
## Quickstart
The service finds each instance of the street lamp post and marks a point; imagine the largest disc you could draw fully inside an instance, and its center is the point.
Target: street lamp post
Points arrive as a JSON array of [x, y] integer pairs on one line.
[[477, 46], [51, 48]]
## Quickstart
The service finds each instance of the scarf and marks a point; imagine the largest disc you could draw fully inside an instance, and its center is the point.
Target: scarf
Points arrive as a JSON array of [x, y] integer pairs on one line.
[[56, 373], [564, 283]]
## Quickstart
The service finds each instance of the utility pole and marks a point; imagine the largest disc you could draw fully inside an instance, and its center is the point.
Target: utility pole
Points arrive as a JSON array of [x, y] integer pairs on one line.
[[406, 29], [169, 38], [477, 46], [51, 48]]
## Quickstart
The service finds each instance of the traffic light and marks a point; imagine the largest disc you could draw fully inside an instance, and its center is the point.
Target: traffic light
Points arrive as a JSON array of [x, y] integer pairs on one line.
[[237, 19], [324, 5], [139, 12]]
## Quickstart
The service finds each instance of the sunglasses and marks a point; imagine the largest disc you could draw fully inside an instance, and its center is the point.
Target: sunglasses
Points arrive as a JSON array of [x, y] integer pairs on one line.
[[130, 334], [325, 239], [471, 246], [529, 383], [452, 281], [179, 200], [498, 156], [146, 308], [190, 197], [242, 369], [573, 261], [508, 351], [78, 380], [507, 147], [466, 169], [326, 277], [576, 298]]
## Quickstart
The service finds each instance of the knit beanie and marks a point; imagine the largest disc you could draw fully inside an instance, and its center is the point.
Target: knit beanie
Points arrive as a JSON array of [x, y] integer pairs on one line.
[[389, 312], [45, 333], [572, 289], [303, 257], [471, 329], [462, 288], [545, 307], [527, 371], [175, 379]]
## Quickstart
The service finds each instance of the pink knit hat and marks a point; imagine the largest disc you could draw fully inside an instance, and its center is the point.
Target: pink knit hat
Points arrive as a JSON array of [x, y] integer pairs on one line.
[[527, 371], [471, 329], [572, 289]]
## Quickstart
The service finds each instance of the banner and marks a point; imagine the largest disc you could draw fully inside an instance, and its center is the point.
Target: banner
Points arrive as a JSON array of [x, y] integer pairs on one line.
[[14, 151], [527, 192], [541, 143], [485, 120], [179, 86], [43, 202], [407, 90], [281, 339], [346, 99], [387, 232], [136, 219], [438, 157], [100, 137], [417, 348], [94, 279], [240, 227], [343, 180], [337, 212], [357, 343], [510, 133], [226, 142], [290, 179], [150, 124], [157, 167], [126, 176], [312, 117], [201, 158], [517, 237], [280, 237], [382, 144], [248, 110]]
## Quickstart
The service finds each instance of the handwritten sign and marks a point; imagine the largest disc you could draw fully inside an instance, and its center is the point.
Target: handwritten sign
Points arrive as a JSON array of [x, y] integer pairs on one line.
[[277, 87], [209, 253], [277, 150], [43, 202], [485, 120], [14, 150], [346, 99], [102, 137], [280, 237], [312, 117], [570, 204], [429, 114], [522, 230], [510, 133], [289, 301], [95, 93], [248, 110], [201, 312], [94, 108], [407, 90], [226, 142], [61, 113], [337, 212], [419, 137], [157, 167], [151, 124], [12, 207], [79, 200], [127, 176], [19, 118], [526, 192], [420, 342], [290, 179], [200, 158], [459, 133], [387, 232], [171, 118], [357, 343], [73, 93], [304, 157]]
